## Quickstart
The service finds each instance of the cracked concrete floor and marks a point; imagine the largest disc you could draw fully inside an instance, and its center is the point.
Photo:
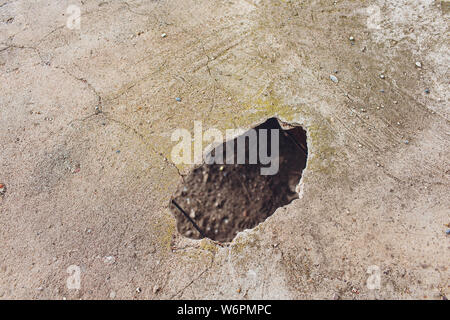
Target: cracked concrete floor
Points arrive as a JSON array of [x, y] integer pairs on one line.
[[86, 118]]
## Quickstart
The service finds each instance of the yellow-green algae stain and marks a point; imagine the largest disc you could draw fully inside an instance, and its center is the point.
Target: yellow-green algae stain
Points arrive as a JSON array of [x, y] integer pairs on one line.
[[243, 246], [261, 108], [205, 251], [247, 240], [197, 255], [208, 245], [164, 227], [323, 153]]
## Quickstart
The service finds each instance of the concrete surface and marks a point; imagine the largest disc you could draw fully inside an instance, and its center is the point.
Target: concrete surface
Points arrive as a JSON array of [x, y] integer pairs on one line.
[[86, 117]]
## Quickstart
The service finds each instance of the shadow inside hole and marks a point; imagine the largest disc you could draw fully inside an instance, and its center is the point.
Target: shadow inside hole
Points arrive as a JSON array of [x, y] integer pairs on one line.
[[219, 200]]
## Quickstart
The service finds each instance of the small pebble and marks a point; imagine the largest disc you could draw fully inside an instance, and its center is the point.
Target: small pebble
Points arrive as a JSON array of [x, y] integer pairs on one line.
[[163, 35], [138, 290], [448, 231], [2, 189], [427, 91], [112, 294], [418, 64], [156, 289], [406, 141], [382, 76], [109, 260], [334, 78], [178, 99], [351, 38]]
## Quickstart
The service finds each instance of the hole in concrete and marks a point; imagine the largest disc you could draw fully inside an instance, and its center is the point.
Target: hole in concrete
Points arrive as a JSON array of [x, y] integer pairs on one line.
[[219, 200]]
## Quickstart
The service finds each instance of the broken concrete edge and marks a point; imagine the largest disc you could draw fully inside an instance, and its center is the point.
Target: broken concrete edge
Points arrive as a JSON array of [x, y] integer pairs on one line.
[[320, 141], [241, 237]]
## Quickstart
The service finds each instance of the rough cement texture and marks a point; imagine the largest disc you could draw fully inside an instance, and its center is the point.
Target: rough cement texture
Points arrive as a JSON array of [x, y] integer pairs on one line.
[[86, 118]]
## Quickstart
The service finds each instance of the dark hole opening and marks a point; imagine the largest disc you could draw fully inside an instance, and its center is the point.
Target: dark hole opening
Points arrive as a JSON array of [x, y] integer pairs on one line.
[[219, 200]]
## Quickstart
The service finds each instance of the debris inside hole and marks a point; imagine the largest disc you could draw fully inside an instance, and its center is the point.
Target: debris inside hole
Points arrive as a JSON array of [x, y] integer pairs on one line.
[[219, 200]]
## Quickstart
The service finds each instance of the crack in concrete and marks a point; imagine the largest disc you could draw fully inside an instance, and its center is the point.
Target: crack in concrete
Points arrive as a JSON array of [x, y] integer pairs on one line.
[[128, 7], [35, 49], [198, 277], [98, 107], [143, 138]]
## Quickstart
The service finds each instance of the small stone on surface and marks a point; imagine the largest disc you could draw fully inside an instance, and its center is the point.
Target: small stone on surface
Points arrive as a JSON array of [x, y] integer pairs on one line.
[[334, 78], [109, 260], [2, 189]]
